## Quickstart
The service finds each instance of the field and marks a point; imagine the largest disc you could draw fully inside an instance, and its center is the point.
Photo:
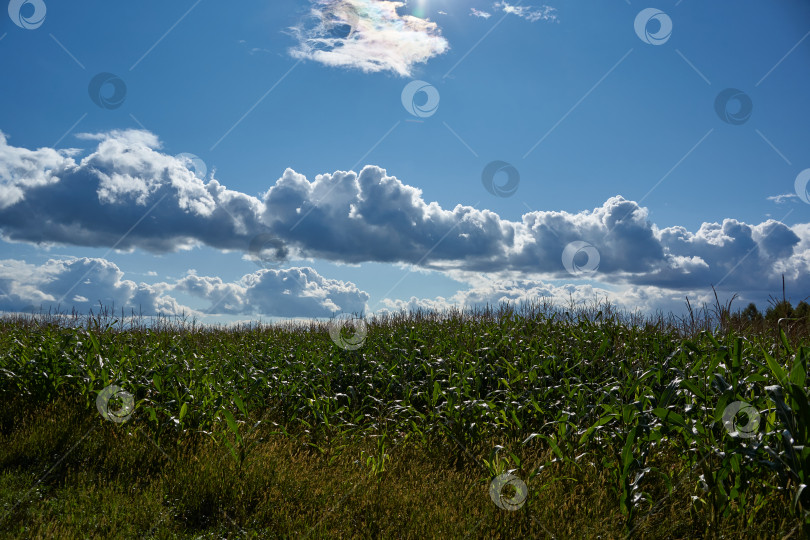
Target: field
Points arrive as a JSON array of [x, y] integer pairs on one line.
[[537, 422]]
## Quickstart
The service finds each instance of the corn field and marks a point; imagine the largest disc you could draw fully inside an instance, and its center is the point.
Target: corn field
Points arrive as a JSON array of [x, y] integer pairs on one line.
[[525, 403]]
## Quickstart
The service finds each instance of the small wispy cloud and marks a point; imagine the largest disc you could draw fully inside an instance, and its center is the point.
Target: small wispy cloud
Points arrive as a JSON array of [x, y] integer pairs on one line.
[[531, 14], [779, 199], [253, 50], [478, 13], [367, 34]]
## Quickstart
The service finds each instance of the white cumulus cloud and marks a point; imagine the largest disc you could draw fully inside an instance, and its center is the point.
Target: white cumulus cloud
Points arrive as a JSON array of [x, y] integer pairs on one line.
[[86, 284], [128, 194]]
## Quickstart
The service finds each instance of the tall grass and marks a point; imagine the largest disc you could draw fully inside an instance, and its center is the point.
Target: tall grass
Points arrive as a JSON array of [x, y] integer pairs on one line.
[[617, 424]]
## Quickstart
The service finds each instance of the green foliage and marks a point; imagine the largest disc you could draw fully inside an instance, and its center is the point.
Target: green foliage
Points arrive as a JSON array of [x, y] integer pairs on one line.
[[751, 314], [643, 405]]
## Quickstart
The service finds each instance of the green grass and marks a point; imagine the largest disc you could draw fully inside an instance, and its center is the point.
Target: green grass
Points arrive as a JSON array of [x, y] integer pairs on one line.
[[615, 425]]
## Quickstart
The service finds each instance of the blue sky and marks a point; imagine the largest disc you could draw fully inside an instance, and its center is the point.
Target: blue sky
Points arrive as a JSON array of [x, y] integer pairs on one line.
[[606, 117]]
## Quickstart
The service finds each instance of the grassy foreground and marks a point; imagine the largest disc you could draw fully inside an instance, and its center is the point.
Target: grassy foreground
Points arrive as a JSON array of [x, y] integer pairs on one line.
[[536, 423]]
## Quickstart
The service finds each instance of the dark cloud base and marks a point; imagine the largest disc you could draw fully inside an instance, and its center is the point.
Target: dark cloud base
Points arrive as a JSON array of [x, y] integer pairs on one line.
[[53, 197]]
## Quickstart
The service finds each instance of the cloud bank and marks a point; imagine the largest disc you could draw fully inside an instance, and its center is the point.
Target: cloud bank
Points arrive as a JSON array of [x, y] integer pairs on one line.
[[494, 292], [77, 283], [126, 193], [369, 35], [84, 284]]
